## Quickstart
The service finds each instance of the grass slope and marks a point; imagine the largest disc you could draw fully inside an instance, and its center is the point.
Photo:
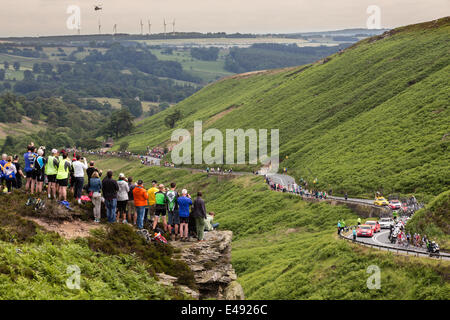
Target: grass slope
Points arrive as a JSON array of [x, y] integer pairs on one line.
[[284, 248], [374, 117], [434, 220]]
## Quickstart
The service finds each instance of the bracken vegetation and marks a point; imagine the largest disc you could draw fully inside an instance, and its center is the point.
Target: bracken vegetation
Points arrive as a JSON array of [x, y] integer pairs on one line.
[[114, 263]]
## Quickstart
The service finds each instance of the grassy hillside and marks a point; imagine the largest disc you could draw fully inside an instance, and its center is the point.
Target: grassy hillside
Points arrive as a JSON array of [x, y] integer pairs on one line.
[[284, 248], [374, 117], [114, 262], [434, 220]]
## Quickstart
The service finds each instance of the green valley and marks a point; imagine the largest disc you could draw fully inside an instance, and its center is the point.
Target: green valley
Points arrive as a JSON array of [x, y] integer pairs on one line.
[[373, 117], [284, 248]]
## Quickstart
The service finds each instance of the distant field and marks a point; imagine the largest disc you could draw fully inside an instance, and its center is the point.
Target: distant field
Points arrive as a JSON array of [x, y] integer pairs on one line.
[[230, 42], [115, 103], [207, 70], [24, 127]]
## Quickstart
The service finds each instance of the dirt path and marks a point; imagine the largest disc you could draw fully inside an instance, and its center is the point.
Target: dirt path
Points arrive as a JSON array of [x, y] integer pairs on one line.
[[66, 229]]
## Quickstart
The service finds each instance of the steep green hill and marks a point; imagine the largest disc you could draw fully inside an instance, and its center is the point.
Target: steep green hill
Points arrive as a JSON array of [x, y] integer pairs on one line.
[[374, 117], [285, 248], [434, 220]]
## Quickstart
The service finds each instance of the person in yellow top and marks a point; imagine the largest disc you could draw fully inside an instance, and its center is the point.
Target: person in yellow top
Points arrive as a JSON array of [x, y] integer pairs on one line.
[[151, 201]]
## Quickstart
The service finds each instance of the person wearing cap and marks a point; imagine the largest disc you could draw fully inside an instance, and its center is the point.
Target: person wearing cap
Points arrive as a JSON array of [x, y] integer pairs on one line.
[[62, 176], [122, 198], [184, 202], [51, 169], [140, 197], [78, 172], [160, 207], [39, 170]]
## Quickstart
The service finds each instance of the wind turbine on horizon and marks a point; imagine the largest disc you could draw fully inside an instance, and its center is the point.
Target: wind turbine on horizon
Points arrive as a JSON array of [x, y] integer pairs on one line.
[[142, 27], [173, 27], [149, 27], [165, 26], [115, 29], [99, 27]]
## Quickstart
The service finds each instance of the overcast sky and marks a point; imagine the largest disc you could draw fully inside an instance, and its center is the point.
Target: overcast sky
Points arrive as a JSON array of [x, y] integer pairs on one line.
[[48, 17]]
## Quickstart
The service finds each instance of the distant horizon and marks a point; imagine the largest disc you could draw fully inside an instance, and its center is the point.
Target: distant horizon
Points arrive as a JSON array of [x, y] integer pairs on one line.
[[43, 18], [188, 32]]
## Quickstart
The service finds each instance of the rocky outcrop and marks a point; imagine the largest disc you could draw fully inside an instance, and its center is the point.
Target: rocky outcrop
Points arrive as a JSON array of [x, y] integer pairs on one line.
[[210, 261]]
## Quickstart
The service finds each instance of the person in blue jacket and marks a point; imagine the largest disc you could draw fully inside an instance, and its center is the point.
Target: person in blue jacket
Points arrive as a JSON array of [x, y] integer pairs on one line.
[[184, 203]]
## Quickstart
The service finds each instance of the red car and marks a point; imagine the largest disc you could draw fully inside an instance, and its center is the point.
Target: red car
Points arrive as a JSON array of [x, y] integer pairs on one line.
[[364, 230], [375, 225], [395, 204]]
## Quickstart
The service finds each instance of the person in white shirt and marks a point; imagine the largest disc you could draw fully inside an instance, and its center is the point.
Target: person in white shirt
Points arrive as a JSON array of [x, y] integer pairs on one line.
[[122, 198], [78, 169]]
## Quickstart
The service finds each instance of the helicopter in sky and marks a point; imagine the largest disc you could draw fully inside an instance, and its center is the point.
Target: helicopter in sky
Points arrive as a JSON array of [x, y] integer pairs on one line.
[[98, 7]]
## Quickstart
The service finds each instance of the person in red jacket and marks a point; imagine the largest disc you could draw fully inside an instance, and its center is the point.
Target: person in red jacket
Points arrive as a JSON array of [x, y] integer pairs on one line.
[[140, 196]]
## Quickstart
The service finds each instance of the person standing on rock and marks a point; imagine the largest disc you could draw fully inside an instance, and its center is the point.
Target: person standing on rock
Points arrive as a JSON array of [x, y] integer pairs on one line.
[[95, 186], [150, 210], [78, 172], [199, 213], [160, 207], [110, 189], [184, 202], [122, 198], [132, 215], [172, 211], [140, 197]]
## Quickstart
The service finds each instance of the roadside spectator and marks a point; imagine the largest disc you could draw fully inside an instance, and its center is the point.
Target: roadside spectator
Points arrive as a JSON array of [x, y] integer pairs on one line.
[[173, 211], [151, 202], [122, 198], [140, 197], [19, 174], [132, 215], [184, 202], [78, 169], [95, 187], [9, 174], [110, 189], [199, 213], [91, 170], [160, 207]]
